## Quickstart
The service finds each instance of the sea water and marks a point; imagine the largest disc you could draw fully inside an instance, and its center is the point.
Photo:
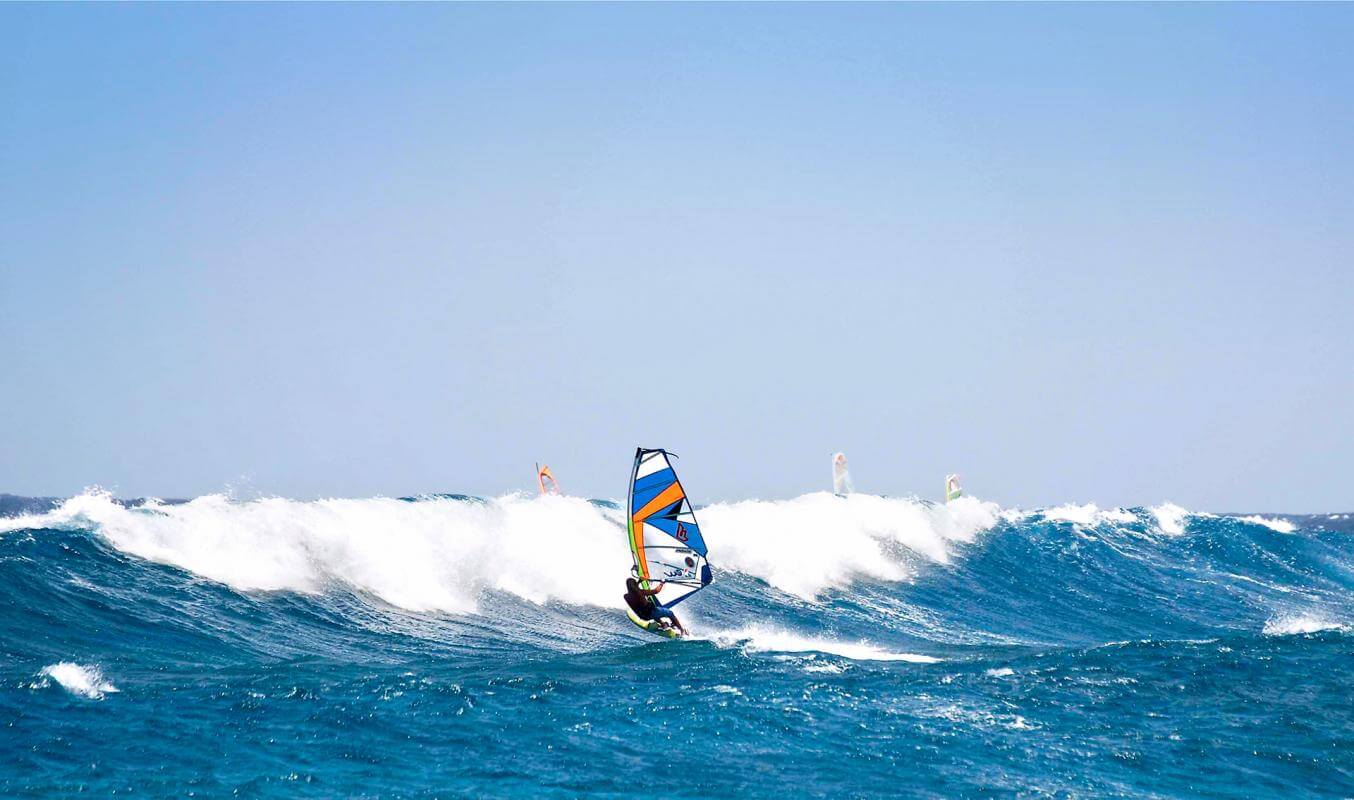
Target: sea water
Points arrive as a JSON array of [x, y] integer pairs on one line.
[[453, 646]]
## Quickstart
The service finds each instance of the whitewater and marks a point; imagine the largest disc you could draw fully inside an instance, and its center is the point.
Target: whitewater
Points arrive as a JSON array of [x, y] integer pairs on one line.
[[457, 646]]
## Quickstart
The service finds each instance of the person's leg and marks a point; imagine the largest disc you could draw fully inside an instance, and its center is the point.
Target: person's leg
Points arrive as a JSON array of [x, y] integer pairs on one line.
[[665, 614]]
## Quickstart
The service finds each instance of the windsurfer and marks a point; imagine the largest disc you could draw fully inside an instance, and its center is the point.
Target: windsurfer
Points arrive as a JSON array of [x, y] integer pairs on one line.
[[647, 608]]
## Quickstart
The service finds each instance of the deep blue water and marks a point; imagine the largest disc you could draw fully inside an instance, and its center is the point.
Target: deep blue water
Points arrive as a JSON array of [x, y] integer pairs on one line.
[[455, 647]]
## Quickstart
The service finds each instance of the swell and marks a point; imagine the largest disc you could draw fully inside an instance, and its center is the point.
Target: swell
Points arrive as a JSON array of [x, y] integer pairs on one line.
[[214, 580]]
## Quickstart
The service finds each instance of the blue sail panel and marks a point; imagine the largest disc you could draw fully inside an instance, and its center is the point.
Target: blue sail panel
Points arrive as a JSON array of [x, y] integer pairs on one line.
[[686, 532], [650, 486]]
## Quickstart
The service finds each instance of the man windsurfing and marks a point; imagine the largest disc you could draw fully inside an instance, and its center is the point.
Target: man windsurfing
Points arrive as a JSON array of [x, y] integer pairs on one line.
[[665, 542], [642, 602]]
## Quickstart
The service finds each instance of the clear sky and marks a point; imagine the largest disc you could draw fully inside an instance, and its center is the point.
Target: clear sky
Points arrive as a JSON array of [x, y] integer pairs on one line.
[[1076, 253]]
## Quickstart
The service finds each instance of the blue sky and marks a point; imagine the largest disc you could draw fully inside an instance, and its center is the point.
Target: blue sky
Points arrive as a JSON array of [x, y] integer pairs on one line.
[[1076, 253]]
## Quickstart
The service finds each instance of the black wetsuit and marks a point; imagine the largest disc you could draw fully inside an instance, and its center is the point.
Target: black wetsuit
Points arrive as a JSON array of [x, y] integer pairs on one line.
[[640, 603]]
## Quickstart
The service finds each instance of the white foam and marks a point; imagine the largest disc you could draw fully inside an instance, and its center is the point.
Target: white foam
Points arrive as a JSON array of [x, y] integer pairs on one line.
[[1087, 514], [1279, 525], [1000, 673], [1293, 624], [1120, 515], [823, 667], [1171, 518], [79, 680], [760, 639], [818, 541], [435, 554], [441, 554], [1078, 514], [978, 717]]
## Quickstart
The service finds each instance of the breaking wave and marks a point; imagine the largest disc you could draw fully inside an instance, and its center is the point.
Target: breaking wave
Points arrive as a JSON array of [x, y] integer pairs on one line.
[[441, 553]]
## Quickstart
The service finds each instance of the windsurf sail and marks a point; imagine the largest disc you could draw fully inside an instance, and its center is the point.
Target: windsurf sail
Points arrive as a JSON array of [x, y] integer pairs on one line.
[[665, 539], [841, 477], [952, 489], [547, 481]]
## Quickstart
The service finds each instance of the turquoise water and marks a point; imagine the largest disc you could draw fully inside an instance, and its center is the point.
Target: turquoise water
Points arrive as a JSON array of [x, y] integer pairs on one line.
[[862, 647]]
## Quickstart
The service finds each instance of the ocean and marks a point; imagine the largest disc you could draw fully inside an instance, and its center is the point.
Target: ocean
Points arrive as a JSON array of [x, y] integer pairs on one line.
[[455, 646]]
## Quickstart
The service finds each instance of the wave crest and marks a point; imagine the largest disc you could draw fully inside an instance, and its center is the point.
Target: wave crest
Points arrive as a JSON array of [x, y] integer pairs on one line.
[[432, 554], [819, 541], [441, 553]]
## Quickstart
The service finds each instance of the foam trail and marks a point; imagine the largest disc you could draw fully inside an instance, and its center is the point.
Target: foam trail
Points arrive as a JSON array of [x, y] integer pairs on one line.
[[79, 680], [759, 639], [1294, 624]]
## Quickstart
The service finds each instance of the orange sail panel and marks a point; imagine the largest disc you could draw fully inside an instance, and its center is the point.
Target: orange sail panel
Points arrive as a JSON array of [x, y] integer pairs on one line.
[[547, 480]]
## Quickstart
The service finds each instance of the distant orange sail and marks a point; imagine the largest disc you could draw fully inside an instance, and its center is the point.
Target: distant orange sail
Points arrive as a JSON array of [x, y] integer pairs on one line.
[[547, 480]]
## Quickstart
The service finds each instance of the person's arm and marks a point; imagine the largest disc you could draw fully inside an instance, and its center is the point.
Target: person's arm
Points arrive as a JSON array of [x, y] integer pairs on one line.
[[652, 592]]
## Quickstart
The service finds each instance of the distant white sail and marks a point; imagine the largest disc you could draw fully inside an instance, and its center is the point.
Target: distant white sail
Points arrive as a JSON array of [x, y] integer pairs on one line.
[[952, 488], [841, 477]]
